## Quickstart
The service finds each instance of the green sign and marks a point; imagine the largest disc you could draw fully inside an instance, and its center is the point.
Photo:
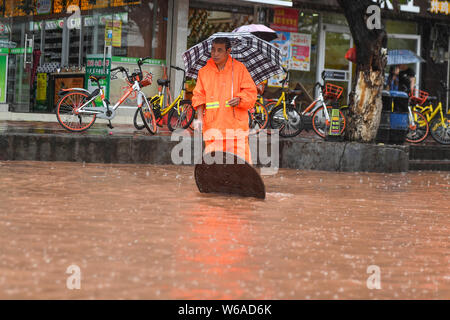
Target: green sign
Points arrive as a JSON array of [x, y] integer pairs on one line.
[[21, 50], [95, 67], [3, 77], [335, 128], [4, 51], [135, 60]]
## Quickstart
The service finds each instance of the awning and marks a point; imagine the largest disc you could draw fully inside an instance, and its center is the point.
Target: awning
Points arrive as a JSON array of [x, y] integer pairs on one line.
[[248, 3], [284, 3]]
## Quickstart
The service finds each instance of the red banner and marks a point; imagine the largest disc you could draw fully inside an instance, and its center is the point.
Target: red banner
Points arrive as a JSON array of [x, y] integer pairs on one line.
[[285, 20]]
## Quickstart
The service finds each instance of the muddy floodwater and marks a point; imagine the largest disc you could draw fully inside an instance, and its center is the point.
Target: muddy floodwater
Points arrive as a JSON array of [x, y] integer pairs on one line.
[[145, 232]]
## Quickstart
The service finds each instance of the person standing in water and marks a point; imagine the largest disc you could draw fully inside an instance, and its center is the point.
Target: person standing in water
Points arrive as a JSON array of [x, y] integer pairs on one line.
[[224, 93]]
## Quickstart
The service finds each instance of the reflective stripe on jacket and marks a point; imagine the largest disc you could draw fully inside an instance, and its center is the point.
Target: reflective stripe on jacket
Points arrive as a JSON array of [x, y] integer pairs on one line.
[[213, 89]]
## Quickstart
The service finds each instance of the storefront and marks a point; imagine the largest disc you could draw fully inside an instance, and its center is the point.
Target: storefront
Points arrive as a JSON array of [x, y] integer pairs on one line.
[[314, 37], [46, 45], [421, 26]]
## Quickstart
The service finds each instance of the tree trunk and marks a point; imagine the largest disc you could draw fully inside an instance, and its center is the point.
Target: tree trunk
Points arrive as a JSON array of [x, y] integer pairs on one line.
[[365, 98]]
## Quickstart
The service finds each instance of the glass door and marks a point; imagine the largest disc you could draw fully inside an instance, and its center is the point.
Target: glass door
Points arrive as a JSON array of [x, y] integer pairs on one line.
[[409, 42], [24, 58], [334, 43]]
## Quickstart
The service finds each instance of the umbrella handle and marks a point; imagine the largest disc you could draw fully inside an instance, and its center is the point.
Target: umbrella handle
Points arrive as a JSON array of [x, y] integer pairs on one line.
[[232, 78]]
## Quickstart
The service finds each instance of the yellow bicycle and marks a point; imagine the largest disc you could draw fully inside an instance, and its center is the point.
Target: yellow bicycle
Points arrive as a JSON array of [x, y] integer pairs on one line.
[[258, 116], [439, 122]]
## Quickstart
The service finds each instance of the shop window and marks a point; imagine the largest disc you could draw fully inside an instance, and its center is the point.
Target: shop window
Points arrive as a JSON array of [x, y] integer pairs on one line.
[[402, 27], [132, 28], [203, 23], [335, 18], [404, 43], [308, 23]]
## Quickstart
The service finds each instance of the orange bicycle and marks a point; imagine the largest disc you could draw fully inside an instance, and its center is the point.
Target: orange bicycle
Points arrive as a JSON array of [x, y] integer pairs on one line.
[[76, 111]]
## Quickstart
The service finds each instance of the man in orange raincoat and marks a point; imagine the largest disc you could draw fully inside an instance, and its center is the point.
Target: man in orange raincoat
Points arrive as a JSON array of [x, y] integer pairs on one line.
[[224, 93]]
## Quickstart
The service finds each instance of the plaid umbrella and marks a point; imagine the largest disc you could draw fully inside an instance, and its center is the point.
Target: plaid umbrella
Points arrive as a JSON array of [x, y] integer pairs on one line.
[[262, 59], [403, 57]]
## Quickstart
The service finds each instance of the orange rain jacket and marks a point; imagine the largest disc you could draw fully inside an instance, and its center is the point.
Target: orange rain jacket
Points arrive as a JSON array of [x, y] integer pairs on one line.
[[213, 89]]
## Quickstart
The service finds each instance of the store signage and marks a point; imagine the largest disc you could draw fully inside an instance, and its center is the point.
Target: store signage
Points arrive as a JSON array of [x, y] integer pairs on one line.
[[95, 67], [43, 6], [20, 50], [41, 89], [281, 42], [437, 6], [49, 25], [3, 77], [300, 52], [135, 60], [89, 21], [4, 28], [409, 7], [285, 20], [336, 75], [113, 33]]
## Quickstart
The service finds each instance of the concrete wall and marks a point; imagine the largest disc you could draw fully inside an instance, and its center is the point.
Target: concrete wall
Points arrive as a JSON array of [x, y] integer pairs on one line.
[[294, 153]]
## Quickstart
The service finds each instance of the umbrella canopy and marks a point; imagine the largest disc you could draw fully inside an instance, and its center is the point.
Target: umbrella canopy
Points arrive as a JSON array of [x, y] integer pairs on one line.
[[259, 30], [403, 57], [261, 58]]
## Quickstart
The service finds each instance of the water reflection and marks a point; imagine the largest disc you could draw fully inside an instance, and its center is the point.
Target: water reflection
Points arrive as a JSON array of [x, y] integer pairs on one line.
[[145, 232]]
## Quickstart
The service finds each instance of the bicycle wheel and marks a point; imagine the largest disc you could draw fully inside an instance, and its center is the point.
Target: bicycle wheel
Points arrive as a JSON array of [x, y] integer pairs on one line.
[[136, 118], [182, 120], [419, 131], [148, 117], [319, 121], [289, 127], [258, 118], [68, 115], [270, 105], [440, 130]]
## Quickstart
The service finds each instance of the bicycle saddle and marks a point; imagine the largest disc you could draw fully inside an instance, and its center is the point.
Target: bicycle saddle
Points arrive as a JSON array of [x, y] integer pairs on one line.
[[164, 83], [97, 78]]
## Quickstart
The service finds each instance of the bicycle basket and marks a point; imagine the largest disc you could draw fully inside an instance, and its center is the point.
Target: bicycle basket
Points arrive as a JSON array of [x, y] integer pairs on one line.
[[147, 80], [419, 96], [332, 91]]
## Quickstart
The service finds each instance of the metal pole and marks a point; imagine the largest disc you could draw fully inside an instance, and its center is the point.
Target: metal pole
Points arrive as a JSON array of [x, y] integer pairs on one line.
[[81, 43], [42, 60], [448, 76]]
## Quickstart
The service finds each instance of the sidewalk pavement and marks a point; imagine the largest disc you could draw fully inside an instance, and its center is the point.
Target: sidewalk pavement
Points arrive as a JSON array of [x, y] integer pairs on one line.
[[48, 141]]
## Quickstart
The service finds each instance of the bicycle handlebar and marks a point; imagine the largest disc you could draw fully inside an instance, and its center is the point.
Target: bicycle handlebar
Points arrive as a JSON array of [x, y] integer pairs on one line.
[[318, 84], [184, 74], [176, 68], [283, 82], [122, 69]]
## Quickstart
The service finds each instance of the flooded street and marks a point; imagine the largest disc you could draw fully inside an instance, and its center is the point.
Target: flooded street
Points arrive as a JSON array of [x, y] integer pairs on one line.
[[145, 232]]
